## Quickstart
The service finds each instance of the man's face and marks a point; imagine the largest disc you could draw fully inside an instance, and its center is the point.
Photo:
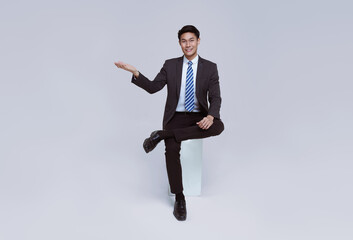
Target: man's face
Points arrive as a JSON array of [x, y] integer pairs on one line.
[[189, 43]]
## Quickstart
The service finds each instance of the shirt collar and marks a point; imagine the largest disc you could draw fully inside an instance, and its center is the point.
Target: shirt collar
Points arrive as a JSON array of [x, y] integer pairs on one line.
[[194, 61]]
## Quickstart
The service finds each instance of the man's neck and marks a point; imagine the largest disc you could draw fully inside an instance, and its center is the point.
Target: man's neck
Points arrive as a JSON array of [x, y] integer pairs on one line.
[[191, 57]]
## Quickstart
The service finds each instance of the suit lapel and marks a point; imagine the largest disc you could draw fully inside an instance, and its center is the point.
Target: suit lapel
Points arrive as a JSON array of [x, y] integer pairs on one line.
[[199, 77], [179, 70]]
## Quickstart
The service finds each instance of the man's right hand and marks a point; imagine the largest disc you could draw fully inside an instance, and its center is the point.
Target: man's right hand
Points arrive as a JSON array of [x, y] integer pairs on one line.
[[127, 67]]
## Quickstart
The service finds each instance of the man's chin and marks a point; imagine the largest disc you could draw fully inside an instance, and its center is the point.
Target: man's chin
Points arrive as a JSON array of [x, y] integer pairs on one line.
[[189, 54]]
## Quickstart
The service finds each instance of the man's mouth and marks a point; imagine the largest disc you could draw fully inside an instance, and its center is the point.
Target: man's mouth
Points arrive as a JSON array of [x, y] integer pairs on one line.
[[189, 50]]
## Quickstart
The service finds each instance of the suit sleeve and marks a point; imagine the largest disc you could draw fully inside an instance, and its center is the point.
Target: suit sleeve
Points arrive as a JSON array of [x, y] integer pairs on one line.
[[214, 94], [151, 86]]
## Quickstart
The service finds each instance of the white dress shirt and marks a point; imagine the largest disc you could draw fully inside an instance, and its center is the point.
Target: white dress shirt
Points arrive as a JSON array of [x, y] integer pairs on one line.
[[181, 103]]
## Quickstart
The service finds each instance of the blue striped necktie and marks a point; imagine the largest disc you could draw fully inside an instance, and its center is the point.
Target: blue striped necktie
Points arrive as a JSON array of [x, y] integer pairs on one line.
[[189, 89]]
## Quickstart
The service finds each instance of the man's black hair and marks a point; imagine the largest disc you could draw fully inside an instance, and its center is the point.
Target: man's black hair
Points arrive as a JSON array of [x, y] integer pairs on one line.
[[189, 28]]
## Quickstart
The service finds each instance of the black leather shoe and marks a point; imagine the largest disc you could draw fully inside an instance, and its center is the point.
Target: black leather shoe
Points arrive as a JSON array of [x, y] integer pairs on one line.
[[150, 143], [180, 210]]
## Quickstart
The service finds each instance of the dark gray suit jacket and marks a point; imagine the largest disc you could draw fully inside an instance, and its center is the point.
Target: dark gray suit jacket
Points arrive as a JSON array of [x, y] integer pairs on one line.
[[207, 86]]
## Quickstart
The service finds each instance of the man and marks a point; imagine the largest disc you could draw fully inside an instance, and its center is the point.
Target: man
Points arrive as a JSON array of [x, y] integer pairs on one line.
[[191, 82]]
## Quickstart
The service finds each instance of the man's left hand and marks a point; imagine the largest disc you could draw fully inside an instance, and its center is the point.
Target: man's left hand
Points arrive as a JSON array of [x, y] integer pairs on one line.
[[206, 122]]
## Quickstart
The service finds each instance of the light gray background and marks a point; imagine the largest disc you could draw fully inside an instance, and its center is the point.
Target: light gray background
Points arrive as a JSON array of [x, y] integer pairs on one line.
[[72, 125]]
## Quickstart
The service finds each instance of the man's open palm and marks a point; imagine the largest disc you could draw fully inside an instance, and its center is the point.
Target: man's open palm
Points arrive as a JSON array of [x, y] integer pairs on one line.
[[125, 66]]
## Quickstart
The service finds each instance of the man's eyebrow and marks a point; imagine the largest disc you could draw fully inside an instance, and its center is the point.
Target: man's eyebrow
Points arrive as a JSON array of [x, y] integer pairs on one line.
[[183, 39]]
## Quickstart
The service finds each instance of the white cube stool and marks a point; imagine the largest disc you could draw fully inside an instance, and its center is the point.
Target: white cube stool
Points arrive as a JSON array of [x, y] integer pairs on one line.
[[191, 164]]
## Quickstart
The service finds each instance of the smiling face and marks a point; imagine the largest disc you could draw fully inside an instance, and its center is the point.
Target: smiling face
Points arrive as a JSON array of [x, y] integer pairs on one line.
[[189, 43]]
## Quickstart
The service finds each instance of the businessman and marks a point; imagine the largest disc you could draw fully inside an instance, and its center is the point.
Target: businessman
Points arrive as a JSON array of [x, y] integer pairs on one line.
[[192, 108]]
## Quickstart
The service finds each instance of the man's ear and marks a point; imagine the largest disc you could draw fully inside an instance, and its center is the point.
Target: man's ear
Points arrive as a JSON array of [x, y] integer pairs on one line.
[[198, 40]]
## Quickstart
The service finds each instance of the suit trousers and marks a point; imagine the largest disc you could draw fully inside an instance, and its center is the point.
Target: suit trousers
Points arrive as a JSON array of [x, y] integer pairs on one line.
[[184, 127]]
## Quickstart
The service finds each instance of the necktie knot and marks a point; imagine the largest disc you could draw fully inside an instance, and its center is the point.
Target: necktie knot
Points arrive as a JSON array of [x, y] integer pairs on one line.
[[190, 63]]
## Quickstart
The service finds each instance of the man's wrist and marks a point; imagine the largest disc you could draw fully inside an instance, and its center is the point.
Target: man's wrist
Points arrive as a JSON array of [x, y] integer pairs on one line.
[[210, 117], [136, 73]]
